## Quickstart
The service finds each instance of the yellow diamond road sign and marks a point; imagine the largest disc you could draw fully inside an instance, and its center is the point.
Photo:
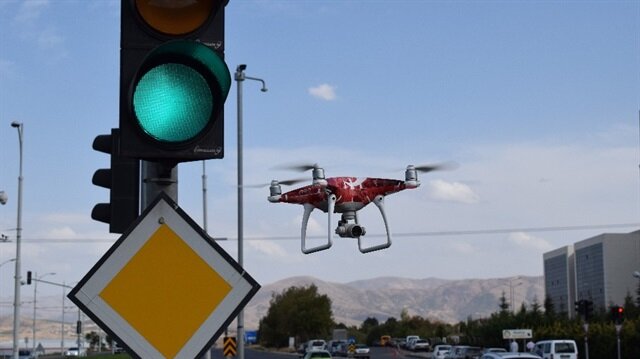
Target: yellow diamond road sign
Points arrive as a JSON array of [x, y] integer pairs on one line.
[[165, 289]]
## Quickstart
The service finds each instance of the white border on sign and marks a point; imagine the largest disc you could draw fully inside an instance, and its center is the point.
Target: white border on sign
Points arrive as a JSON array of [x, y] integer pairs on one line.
[[88, 294]]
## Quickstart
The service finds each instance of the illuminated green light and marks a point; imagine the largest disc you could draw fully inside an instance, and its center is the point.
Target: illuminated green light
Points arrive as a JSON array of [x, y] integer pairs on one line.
[[181, 90], [173, 103]]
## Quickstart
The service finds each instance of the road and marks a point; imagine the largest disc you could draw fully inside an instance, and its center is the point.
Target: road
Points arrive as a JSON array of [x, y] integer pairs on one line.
[[376, 353]]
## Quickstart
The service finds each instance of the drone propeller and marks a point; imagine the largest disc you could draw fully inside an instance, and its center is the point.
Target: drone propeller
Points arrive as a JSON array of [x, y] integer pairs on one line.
[[284, 183], [299, 167], [436, 167]]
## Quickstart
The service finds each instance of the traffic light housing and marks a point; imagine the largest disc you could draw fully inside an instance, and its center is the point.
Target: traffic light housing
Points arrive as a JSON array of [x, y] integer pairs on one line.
[[123, 179], [588, 309], [617, 314], [173, 80], [28, 277]]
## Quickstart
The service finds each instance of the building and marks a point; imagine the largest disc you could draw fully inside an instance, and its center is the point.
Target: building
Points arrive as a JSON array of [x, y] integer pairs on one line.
[[599, 269], [559, 278]]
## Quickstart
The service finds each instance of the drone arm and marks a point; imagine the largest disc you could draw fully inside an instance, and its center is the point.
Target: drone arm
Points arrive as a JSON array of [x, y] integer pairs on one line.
[[379, 202], [308, 208]]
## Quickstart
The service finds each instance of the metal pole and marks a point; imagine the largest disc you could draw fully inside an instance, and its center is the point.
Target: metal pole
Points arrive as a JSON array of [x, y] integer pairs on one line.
[[62, 323], [16, 296], [240, 77], [204, 197], [36, 279]]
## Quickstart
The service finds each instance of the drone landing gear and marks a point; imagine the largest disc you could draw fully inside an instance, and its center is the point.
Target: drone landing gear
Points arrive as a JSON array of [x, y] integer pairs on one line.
[[308, 208], [354, 230]]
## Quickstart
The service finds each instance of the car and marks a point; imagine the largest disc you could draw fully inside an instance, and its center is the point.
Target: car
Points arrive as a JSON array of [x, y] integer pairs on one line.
[[494, 350], [505, 355], [563, 348], [74, 352], [361, 351], [317, 354], [464, 352], [419, 345], [440, 351], [25, 354], [316, 344]]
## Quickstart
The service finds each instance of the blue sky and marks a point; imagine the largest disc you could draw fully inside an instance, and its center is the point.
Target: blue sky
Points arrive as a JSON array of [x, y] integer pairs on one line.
[[537, 101]]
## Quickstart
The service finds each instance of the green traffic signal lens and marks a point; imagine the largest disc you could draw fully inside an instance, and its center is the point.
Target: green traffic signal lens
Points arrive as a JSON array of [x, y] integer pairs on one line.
[[178, 92], [173, 103]]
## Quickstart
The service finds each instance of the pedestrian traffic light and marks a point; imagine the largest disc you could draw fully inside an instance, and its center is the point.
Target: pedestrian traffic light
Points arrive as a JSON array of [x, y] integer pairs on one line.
[[617, 314], [123, 179], [173, 80]]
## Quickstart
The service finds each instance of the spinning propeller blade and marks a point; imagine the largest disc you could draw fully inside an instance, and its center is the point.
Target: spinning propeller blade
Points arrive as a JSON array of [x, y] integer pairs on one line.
[[284, 183], [299, 167], [437, 167]]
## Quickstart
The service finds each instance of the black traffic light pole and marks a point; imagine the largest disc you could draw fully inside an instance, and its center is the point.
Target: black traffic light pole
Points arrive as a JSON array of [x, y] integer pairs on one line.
[[158, 177]]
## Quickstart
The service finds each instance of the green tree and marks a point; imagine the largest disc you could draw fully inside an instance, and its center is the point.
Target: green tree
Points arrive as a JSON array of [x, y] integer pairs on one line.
[[299, 312], [94, 340]]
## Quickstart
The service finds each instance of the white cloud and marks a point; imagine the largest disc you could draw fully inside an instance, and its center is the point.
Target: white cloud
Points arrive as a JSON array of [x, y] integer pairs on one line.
[[452, 192], [528, 241], [324, 92], [31, 10], [269, 248]]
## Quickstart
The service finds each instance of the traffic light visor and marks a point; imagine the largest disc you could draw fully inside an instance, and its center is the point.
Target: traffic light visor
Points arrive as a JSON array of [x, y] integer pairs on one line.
[[179, 90], [176, 17]]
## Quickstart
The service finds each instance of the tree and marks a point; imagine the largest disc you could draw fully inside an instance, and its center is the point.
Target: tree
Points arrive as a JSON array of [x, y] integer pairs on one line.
[[94, 340], [296, 312]]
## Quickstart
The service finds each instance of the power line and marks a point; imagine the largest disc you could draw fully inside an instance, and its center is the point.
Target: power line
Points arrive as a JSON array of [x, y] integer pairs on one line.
[[405, 234]]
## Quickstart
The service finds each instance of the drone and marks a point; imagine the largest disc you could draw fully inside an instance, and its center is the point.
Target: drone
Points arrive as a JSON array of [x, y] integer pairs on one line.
[[344, 195]]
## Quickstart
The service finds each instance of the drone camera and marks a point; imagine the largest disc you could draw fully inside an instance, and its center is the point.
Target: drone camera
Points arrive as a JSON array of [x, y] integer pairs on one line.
[[350, 230]]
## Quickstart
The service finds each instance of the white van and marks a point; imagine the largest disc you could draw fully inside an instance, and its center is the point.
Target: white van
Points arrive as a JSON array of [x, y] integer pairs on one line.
[[556, 349]]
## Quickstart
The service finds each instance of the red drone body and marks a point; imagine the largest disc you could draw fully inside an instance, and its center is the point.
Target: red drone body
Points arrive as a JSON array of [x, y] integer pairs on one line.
[[345, 195]]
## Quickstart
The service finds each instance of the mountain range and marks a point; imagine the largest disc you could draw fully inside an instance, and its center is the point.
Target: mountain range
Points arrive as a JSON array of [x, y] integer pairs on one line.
[[445, 300]]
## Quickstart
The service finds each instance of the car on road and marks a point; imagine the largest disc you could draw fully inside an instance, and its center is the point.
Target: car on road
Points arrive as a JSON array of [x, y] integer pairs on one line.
[[317, 354], [505, 355], [316, 344], [440, 351], [564, 348], [419, 345], [361, 351], [494, 350], [74, 352], [464, 352]]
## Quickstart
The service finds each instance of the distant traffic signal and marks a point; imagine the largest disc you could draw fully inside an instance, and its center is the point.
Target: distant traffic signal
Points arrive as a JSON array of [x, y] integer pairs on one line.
[[588, 309], [617, 314], [123, 179], [28, 277], [173, 80]]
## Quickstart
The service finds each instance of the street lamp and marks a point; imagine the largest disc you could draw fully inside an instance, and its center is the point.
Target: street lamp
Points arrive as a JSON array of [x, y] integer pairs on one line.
[[636, 274], [240, 77], [7, 261], [16, 297], [36, 279]]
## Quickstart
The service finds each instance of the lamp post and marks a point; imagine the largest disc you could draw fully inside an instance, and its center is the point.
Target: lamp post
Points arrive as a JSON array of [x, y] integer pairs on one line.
[[36, 279], [16, 296], [240, 77]]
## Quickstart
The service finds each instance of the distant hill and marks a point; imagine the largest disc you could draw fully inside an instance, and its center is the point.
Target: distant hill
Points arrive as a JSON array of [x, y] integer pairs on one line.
[[448, 301], [445, 300]]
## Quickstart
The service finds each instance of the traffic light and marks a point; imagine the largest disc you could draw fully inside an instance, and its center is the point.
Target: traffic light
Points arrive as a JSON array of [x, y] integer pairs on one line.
[[123, 179], [588, 309], [173, 80], [28, 277], [579, 306], [617, 314]]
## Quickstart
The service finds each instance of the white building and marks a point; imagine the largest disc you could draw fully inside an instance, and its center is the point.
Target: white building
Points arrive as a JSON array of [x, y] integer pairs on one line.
[[599, 269]]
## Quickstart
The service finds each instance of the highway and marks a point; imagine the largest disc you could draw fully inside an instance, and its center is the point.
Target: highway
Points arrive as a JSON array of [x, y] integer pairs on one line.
[[376, 353]]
